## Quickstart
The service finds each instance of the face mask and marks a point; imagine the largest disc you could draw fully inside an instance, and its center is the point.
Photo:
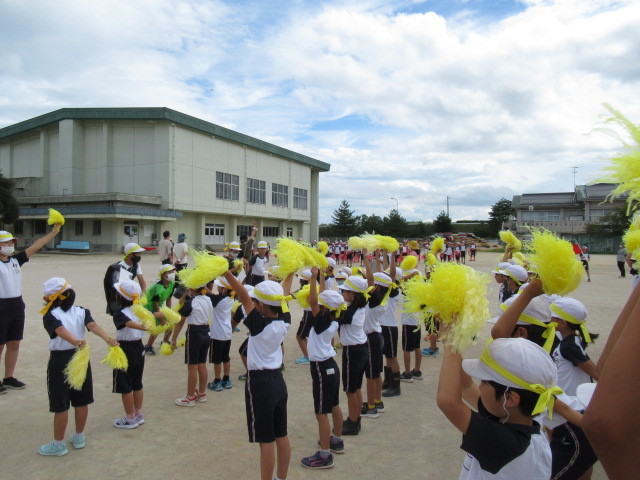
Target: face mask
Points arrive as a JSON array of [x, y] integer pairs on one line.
[[135, 258], [340, 282], [171, 277], [7, 250], [233, 254]]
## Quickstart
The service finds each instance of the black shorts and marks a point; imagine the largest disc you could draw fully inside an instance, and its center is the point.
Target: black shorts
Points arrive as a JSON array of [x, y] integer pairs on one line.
[[586, 265], [166, 261], [255, 279], [305, 325], [243, 348], [266, 398], [11, 319], [325, 378], [131, 380], [571, 452], [410, 337], [197, 345], [219, 351], [61, 395], [354, 361], [374, 359], [390, 337]]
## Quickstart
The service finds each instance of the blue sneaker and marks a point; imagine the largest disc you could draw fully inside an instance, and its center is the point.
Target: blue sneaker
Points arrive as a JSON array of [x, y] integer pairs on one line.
[[427, 352], [215, 386], [78, 441], [302, 361], [53, 450], [243, 377], [227, 384]]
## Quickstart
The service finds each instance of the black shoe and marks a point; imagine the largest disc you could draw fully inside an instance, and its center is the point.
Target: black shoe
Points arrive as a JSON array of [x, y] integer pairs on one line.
[[11, 382], [2, 389], [394, 389], [371, 412], [364, 408], [359, 423], [416, 374], [387, 378], [349, 427], [380, 407], [406, 377], [149, 350]]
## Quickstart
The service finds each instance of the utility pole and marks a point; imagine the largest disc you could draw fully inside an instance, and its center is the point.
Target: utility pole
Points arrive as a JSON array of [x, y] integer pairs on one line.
[[448, 197], [575, 169]]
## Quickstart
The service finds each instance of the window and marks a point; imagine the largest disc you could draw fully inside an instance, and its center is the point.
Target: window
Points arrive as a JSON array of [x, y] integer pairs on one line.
[[270, 231], [299, 198], [279, 195], [576, 215], [97, 228], [541, 215], [19, 227], [290, 232], [39, 227], [227, 186], [244, 230], [256, 191], [79, 227], [595, 215]]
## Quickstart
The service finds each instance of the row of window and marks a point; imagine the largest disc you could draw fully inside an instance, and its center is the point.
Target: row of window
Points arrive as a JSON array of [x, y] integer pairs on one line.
[[40, 227], [595, 215], [218, 229], [228, 188]]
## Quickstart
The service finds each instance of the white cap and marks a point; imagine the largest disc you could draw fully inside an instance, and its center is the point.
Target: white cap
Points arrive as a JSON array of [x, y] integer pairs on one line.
[[262, 244], [234, 246], [55, 285], [249, 289], [381, 278], [268, 287], [360, 284], [222, 282], [517, 273], [341, 275], [537, 308], [331, 298], [585, 392], [520, 357], [128, 289], [569, 309], [501, 268], [346, 270], [130, 248], [6, 236], [167, 267], [331, 262], [306, 275]]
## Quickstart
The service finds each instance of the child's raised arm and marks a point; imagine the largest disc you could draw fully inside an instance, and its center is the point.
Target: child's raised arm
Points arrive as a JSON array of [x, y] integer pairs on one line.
[[241, 292], [313, 292], [509, 318], [42, 241], [367, 268], [449, 396]]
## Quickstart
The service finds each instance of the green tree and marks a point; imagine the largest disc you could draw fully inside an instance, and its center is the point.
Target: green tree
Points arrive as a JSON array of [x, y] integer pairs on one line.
[[394, 225], [500, 212], [370, 224], [9, 211], [343, 221], [613, 224], [442, 223]]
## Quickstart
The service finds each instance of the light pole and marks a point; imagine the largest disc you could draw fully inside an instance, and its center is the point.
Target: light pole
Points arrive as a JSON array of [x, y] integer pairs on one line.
[[394, 198]]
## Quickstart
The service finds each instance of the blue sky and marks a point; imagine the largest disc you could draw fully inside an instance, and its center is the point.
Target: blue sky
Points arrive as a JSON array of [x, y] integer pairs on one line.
[[417, 100]]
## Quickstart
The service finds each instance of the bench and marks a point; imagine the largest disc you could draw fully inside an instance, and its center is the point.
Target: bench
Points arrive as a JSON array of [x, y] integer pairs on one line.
[[72, 245]]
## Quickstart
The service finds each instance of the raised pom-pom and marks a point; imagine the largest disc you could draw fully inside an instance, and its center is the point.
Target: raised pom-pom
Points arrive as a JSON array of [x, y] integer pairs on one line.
[[322, 247], [511, 240], [290, 254], [437, 246], [116, 359], [631, 241], [55, 217], [555, 262], [207, 267], [302, 296], [389, 244], [366, 241], [431, 260], [76, 370], [409, 263]]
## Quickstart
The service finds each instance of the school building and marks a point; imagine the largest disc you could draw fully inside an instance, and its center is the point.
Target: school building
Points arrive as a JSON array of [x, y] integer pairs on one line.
[[122, 175]]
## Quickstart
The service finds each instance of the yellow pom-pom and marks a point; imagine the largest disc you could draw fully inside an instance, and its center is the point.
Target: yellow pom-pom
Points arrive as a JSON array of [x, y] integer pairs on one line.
[[357, 271], [313, 258], [555, 262], [55, 217], [182, 341], [520, 258], [166, 349], [511, 240], [389, 244], [302, 296], [76, 370], [177, 306], [322, 247], [291, 256], [206, 268], [368, 241], [116, 359], [408, 263], [431, 259], [235, 306], [437, 246], [631, 241], [149, 321], [171, 316]]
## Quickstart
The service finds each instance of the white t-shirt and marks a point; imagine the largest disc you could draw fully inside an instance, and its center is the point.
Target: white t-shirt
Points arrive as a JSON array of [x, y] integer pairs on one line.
[[388, 318], [180, 252], [11, 275], [353, 333], [75, 320], [125, 333], [265, 337], [319, 340], [220, 328], [567, 356]]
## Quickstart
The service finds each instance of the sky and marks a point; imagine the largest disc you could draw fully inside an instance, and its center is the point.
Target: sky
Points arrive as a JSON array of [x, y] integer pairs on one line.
[[409, 100]]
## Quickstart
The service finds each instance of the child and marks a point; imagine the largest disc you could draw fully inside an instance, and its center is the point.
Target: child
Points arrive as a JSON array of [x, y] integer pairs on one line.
[[127, 269], [355, 291], [158, 295], [410, 340], [65, 324], [129, 336], [257, 264], [196, 310], [325, 374], [389, 324], [584, 258], [517, 382], [11, 304], [305, 324], [266, 391], [220, 336]]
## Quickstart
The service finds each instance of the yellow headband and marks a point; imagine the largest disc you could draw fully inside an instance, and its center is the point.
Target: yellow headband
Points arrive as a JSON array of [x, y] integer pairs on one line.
[[338, 310], [571, 319], [549, 328], [132, 250], [6, 237], [365, 292], [274, 298], [546, 398], [512, 277], [52, 298], [135, 298], [391, 285]]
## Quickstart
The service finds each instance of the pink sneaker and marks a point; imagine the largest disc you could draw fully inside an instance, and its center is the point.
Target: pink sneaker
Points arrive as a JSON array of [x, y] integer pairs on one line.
[[186, 401], [201, 397]]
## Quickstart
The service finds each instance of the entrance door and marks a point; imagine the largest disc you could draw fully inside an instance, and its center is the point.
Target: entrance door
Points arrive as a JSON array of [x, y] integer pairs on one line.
[[214, 234], [130, 232]]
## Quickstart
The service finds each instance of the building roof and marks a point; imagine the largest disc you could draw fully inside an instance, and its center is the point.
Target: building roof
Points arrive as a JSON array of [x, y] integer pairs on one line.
[[160, 114], [597, 192], [544, 199]]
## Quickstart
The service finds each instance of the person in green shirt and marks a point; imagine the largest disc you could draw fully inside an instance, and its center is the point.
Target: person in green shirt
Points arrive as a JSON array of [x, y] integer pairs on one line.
[[158, 295]]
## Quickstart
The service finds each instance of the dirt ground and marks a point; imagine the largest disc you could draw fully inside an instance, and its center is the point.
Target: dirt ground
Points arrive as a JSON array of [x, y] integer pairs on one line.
[[411, 440]]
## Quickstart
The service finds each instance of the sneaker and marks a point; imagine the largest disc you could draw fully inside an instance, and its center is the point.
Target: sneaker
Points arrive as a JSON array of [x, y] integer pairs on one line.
[[2, 389], [364, 408], [186, 401], [350, 427], [140, 419], [302, 361], [149, 350], [227, 384], [427, 352], [406, 377], [380, 407], [243, 377], [317, 461], [124, 423], [215, 386], [51, 449], [201, 397], [78, 441], [371, 412], [282, 367], [11, 382], [336, 445], [416, 374]]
